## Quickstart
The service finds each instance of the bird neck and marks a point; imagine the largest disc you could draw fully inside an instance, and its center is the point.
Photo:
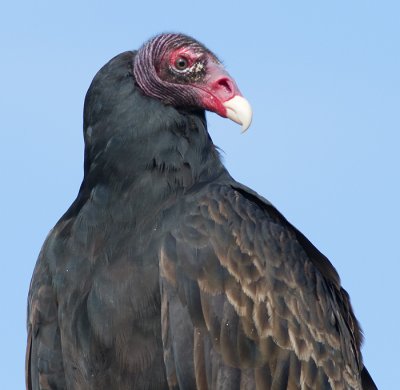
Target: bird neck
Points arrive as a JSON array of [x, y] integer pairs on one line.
[[137, 149], [159, 163]]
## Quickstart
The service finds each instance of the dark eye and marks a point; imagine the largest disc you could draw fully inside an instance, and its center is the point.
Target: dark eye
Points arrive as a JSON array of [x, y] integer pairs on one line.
[[181, 63]]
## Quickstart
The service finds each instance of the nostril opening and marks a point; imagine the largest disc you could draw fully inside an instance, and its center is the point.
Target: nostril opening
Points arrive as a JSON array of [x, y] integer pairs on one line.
[[226, 84]]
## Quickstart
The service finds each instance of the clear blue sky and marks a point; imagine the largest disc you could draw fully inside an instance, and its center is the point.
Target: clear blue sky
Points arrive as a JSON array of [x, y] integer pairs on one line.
[[324, 81]]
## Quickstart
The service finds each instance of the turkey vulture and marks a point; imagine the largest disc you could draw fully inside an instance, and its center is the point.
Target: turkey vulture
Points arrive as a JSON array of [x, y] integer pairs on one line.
[[166, 273]]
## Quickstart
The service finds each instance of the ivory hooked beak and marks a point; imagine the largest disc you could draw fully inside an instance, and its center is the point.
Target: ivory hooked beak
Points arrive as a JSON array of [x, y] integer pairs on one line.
[[239, 110]]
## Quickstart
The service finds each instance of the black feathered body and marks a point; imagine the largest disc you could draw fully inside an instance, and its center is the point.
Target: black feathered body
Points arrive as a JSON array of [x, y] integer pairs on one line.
[[98, 270], [166, 273]]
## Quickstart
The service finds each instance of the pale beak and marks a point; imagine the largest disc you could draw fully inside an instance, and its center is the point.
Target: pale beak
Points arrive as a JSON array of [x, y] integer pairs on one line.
[[239, 110]]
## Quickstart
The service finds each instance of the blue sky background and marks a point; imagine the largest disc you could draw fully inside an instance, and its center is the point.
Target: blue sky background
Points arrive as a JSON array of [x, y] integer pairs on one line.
[[324, 81]]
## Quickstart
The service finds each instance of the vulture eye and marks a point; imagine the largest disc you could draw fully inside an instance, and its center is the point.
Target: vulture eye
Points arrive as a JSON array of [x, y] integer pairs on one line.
[[181, 63]]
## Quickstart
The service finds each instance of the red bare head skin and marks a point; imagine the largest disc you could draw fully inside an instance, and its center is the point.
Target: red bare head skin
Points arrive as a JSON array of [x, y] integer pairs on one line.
[[180, 71]]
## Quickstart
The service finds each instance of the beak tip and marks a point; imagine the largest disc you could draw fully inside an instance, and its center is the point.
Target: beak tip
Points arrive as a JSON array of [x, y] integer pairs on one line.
[[239, 110], [246, 125]]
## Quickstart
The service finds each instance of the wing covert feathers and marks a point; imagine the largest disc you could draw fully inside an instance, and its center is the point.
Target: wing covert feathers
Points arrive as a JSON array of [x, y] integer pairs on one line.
[[254, 310], [44, 364]]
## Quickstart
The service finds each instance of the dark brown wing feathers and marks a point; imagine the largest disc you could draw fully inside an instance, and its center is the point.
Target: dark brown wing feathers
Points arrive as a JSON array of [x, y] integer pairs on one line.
[[249, 287], [44, 362]]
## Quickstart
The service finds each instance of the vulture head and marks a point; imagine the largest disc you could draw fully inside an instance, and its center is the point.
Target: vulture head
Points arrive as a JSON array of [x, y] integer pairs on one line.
[[181, 72]]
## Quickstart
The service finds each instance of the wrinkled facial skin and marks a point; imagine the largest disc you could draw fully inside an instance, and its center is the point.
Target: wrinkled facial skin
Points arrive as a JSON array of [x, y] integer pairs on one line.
[[178, 70], [185, 66], [200, 70]]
